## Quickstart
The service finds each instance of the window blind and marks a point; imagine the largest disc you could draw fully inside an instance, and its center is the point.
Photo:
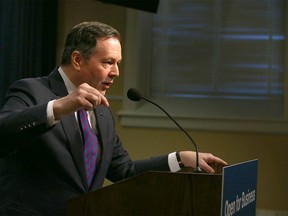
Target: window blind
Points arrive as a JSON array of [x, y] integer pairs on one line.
[[231, 49]]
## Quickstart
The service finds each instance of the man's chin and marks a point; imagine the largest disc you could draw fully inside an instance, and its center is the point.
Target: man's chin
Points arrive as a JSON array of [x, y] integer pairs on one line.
[[103, 92]]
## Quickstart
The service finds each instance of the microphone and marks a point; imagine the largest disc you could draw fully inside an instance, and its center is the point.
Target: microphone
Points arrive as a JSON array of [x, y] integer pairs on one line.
[[134, 95]]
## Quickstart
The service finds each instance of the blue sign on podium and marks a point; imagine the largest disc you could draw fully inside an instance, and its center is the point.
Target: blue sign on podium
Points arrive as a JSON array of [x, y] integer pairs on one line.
[[239, 189]]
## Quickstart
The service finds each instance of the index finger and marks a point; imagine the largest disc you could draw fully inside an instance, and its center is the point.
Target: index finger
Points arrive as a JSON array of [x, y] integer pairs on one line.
[[104, 100], [217, 160]]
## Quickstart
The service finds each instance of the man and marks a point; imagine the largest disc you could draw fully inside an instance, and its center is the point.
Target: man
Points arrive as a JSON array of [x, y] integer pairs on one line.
[[44, 140]]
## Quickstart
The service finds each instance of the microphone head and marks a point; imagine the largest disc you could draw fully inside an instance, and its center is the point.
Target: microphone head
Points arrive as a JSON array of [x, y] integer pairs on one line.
[[134, 95]]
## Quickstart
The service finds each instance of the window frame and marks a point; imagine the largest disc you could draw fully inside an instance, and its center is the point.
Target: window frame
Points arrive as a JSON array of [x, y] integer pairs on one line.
[[143, 114]]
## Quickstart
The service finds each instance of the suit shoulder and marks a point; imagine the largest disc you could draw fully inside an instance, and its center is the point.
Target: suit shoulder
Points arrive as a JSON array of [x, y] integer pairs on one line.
[[30, 81]]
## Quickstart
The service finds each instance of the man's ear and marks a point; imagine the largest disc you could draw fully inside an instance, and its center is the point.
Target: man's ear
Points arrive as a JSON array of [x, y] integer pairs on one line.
[[76, 60]]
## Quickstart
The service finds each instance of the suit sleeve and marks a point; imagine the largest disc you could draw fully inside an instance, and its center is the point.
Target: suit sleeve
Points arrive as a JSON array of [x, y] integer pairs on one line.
[[122, 166], [21, 118]]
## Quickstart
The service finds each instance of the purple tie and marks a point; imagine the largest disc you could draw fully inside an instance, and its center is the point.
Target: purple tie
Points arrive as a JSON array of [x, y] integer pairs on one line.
[[90, 146]]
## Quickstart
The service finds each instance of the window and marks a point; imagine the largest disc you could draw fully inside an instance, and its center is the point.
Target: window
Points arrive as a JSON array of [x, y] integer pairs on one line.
[[213, 64]]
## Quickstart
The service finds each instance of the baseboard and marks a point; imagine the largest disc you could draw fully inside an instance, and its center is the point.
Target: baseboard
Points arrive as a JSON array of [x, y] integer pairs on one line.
[[264, 212]]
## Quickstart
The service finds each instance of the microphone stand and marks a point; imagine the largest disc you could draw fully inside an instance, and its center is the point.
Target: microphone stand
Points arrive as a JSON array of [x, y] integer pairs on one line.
[[197, 169]]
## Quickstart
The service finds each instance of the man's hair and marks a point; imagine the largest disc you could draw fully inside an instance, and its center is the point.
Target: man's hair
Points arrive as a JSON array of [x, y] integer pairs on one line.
[[83, 38]]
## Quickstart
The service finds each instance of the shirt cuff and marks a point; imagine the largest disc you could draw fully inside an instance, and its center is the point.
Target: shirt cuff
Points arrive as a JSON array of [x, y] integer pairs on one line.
[[173, 163], [50, 114]]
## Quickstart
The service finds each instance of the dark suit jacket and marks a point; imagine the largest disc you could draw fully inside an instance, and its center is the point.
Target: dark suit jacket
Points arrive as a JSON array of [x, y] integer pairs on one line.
[[41, 167]]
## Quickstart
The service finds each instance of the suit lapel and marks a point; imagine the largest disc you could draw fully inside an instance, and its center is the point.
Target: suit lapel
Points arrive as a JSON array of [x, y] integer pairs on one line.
[[70, 127], [101, 124], [75, 140]]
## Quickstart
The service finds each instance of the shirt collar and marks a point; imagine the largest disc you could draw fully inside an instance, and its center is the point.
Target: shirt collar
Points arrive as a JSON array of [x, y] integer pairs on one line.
[[69, 85]]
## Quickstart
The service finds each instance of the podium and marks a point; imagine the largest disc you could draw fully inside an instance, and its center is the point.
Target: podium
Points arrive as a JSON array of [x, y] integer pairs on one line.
[[153, 193], [158, 193]]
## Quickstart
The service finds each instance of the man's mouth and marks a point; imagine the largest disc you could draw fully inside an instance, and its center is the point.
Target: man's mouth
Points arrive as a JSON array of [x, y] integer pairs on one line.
[[107, 84]]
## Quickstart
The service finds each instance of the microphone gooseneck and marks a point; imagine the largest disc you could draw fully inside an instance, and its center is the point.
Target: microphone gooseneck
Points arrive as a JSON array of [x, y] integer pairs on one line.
[[134, 95]]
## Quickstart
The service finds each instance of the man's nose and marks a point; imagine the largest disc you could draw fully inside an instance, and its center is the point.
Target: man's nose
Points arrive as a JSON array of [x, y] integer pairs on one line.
[[115, 71]]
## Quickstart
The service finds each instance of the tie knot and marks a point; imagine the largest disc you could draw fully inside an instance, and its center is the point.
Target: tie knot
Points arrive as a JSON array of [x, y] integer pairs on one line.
[[82, 113]]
